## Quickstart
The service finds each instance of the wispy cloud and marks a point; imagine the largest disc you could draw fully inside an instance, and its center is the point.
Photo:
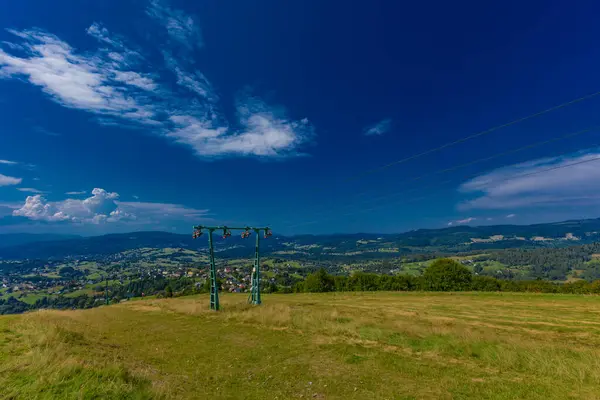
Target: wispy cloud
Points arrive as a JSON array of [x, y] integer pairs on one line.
[[569, 180], [180, 26], [379, 128], [73, 80], [46, 131], [9, 180], [162, 210], [103, 207], [30, 190], [7, 162], [76, 193], [118, 50], [264, 131], [511, 215], [462, 221], [122, 88], [6, 208]]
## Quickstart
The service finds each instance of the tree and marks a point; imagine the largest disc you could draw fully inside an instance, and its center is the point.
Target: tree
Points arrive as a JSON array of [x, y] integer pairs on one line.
[[361, 281], [447, 275], [340, 283], [319, 281], [169, 291], [272, 287]]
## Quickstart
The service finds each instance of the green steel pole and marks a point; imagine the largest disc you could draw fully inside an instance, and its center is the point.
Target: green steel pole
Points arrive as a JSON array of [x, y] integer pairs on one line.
[[254, 297], [214, 290], [256, 283], [106, 289]]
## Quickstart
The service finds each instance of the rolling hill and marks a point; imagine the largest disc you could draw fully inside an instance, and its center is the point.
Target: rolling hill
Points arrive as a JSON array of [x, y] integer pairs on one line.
[[15, 239], [452, 239]]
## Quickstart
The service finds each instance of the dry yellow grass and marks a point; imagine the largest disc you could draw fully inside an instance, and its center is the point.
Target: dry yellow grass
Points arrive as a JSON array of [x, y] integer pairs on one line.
[[334, 346]]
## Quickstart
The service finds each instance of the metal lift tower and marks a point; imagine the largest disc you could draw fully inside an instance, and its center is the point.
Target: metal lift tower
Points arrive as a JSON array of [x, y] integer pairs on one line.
[[254, 297]]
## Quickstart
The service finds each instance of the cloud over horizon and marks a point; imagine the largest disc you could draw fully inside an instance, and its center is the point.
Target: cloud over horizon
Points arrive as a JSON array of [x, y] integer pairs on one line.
[[102, 207], [567, 180], [462, 221]]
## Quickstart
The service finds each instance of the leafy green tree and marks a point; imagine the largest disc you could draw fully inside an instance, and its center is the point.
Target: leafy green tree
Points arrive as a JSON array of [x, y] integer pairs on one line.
[[361, 281], [340, 283], [169, 291], [447, 275], [272, 288], [319, 281], [298, 287]]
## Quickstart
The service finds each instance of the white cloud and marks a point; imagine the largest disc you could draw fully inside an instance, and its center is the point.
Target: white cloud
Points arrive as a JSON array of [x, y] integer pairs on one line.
[[569, 180], [118, 88], [135, 79], [462, 221], [379, 128], [76, 193], [7, 162], [9, 180], [30, 190], [264, 131], [73, 80], [103, 207], [99, 208], [37, 208], [511, 216], [180, 26]]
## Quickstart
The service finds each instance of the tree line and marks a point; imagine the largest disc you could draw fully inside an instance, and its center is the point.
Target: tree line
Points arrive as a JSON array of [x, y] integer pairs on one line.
[[441, 275]]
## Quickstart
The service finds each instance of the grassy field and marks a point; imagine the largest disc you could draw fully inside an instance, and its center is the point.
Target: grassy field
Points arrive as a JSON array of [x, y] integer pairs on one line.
[[324, 346]]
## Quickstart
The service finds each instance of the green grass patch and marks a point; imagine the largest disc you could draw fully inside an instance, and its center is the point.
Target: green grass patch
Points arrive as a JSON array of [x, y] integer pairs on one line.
[[334, 346]]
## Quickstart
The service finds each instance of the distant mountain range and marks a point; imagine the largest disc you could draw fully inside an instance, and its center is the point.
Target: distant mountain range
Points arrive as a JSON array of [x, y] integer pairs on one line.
[[452, 239], [15, 239]]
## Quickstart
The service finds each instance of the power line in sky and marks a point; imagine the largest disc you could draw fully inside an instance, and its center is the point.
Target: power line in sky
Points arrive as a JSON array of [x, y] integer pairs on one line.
[[467, 164], [448, 181], [473, 136], [462, 140]]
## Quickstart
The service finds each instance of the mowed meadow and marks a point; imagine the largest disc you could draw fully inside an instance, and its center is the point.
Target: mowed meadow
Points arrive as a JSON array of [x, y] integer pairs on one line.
[[324, 346]]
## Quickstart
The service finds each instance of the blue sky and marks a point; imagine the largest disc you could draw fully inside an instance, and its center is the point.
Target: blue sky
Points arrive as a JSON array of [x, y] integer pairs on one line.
[[138, 115]]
